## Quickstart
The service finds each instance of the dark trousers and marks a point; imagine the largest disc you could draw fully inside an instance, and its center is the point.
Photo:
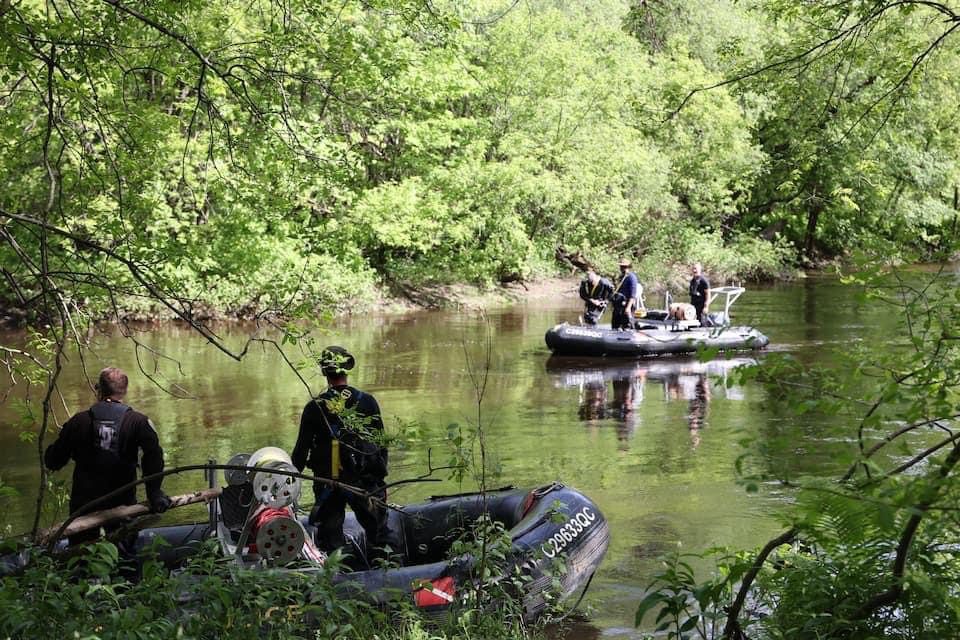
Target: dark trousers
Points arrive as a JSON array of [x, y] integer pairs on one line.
[[699, 308], [592, 316], [620, 318], [329, 512]]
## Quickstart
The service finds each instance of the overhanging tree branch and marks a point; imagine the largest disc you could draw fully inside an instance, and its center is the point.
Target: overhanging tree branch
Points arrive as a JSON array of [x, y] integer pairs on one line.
[[171, 302]]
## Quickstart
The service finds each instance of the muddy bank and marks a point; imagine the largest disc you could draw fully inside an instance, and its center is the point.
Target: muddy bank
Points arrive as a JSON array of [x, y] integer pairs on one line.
[[404, 298]]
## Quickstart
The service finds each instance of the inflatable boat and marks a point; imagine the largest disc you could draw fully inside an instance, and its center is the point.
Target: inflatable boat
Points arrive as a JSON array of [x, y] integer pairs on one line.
[[657, 333], [557, 536]]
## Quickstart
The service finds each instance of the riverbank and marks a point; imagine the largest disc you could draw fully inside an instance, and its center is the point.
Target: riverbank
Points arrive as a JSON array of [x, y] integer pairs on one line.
[[407, 298]]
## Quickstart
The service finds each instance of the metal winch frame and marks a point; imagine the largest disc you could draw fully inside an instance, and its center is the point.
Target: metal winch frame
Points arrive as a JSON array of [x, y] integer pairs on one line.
[[270, 520]]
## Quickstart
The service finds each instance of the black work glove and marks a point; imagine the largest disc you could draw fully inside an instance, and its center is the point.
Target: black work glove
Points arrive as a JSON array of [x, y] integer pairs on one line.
[[159, 502]]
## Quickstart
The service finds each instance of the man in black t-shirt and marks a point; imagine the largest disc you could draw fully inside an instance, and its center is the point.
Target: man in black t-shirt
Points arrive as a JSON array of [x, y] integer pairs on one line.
[[340, 438], [106, 442], [594, 291], [699, 291]]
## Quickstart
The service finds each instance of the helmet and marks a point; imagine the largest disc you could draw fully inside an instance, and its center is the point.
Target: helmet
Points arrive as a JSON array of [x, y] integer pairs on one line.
[[335, 360]]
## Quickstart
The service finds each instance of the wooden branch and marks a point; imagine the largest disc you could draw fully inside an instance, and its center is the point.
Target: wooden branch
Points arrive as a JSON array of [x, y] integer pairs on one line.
[[890, 438], [90, 506], [18, 352], [98, 518], [840, 35]]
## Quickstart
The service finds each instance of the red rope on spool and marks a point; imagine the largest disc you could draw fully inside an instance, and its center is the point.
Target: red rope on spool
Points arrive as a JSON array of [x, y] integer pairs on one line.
[[262, 519]]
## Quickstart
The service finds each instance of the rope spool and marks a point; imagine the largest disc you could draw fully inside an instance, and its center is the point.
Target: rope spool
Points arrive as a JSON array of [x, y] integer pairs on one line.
[[271, 489], [278, 537]]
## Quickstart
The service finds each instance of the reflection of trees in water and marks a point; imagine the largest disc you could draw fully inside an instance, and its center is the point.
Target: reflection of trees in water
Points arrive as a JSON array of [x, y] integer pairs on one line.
[[697, 412], [511, 321], [576, 628]]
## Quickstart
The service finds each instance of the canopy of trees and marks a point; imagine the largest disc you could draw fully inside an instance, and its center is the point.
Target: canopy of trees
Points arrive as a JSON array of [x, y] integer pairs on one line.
[[301, 155]]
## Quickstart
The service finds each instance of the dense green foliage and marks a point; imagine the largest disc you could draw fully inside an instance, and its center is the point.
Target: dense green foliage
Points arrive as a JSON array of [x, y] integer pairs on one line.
[[95, 595], [302, 155], [297, 156], [872, 553], [853, 107]]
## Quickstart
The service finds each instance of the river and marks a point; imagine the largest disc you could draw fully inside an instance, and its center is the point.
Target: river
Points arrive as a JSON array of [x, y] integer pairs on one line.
[[654, 443]]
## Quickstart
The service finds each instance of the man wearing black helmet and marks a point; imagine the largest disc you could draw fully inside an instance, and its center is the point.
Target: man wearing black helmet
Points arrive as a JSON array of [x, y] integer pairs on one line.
[[340, 438]]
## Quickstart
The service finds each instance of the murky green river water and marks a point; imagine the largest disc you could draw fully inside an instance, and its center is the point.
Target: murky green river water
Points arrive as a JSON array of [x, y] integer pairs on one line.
[[652, 442]]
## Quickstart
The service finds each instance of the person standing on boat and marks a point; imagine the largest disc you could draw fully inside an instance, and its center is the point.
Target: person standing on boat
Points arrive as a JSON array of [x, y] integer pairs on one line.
[[699, 292], [340, 438], [594, 291], [625, 297], [106, 442]]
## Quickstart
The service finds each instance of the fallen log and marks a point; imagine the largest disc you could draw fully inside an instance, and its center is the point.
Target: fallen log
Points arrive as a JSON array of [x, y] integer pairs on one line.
[[100, 518], [574, 260]]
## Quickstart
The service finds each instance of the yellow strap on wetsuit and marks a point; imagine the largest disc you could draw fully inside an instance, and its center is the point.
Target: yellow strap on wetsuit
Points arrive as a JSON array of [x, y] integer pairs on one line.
[[334, 458]]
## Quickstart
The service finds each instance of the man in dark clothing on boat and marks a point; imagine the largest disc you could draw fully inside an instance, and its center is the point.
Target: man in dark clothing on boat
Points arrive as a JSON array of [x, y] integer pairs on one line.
[[340, 434], [106, 442], [625, 297], [594, 291], [699, 292]]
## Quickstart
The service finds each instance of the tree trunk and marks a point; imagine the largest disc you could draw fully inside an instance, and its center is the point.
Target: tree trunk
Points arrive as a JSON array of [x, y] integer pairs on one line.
[[810, 237]]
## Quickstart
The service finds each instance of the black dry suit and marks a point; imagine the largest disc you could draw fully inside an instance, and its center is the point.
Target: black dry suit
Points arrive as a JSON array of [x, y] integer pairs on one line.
[[337, 440], [600, 291], [105, 442]]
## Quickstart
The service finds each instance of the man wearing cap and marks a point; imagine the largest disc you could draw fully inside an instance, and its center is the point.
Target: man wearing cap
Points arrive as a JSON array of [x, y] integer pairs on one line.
[[625, 297], [340, 433], [107, 442]]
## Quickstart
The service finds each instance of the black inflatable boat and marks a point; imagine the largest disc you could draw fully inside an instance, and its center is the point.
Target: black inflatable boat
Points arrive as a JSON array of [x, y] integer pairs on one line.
[[545, 523], [573, 340], [556, 533], [658, 334]]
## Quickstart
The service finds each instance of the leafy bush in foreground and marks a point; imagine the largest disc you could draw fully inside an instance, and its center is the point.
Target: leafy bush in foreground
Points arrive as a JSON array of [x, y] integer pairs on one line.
[[91, 595]]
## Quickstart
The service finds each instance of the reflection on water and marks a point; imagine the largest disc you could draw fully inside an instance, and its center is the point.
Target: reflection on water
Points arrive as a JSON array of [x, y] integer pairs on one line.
[[612, 391]]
